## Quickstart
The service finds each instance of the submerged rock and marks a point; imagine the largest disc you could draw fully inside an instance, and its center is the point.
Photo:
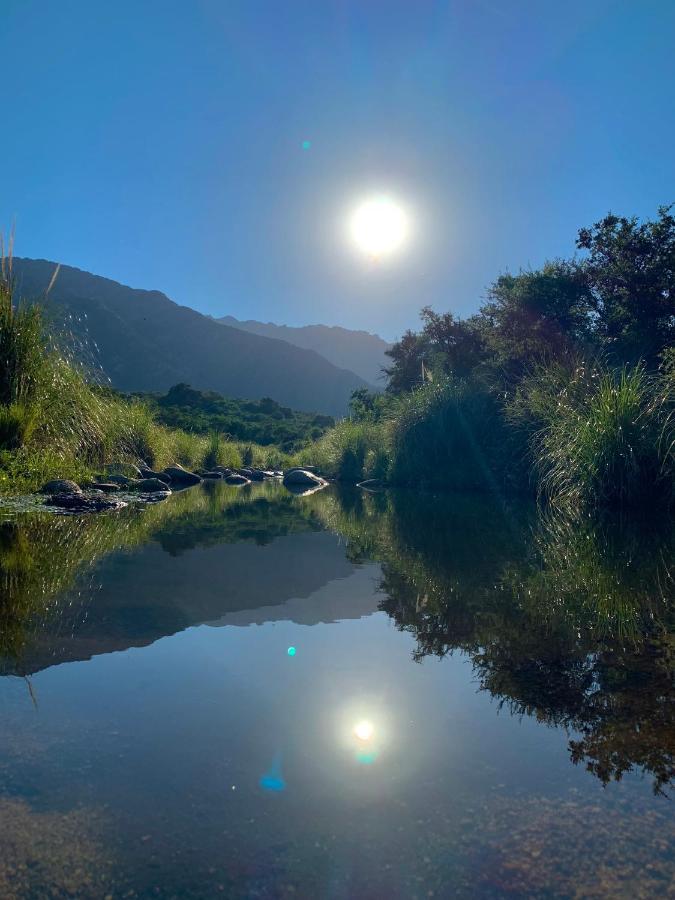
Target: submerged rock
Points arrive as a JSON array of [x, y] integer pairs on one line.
[[81, 503], [303, 478], [108, 487], [181, 476], [150, 486], [60, 486], [236, 478]]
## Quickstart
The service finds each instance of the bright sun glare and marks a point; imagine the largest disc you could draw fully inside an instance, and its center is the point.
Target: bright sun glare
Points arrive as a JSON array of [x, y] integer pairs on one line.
[[379, 227], [364, 730]]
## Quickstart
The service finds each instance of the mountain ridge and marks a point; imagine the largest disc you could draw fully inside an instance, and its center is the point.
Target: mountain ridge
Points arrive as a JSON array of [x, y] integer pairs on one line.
[[356, 350], [144, 341]]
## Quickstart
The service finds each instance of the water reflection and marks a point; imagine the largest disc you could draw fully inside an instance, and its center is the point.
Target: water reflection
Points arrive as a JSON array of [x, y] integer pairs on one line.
[[568, 622]]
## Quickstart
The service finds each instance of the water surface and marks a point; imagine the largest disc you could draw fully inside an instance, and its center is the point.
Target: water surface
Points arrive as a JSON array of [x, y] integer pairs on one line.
[[184, 685]]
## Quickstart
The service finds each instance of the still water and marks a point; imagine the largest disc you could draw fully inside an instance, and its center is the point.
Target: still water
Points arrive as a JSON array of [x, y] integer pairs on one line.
[[248, 693]]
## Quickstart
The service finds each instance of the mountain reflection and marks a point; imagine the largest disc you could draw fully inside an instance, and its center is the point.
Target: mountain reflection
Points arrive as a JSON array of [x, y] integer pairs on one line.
[[570, 622]]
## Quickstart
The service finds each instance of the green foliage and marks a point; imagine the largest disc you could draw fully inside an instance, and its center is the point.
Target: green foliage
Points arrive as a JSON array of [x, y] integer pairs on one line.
[[600, 436], [630, 273], [263, 422], [453, 433]]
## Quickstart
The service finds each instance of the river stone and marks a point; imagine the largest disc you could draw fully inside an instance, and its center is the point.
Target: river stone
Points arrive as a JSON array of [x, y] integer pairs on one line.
[[80, 503], [108, 487], [60, 486], [181, 476], [236, 478], [150, 486], [212, 475], [302, 477], [257, 475], [122, 480], [150, 473]]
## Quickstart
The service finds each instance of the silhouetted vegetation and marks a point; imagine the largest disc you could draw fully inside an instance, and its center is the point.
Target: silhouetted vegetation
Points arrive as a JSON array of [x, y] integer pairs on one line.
[[563, 381]]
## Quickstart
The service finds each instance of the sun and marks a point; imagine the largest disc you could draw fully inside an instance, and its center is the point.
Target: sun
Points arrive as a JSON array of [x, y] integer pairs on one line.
[[379, 227], [364, 730]]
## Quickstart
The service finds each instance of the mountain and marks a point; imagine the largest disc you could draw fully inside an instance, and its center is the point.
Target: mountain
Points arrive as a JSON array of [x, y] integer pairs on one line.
[[143, 341], [358, 351]]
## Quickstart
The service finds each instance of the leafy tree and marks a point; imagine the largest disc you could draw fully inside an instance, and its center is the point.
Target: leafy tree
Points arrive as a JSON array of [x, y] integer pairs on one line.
[[408, 357], [535, 317], [630, 274]]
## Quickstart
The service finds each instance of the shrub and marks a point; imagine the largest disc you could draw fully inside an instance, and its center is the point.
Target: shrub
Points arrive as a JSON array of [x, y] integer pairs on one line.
[[599, 436], [454, 434]]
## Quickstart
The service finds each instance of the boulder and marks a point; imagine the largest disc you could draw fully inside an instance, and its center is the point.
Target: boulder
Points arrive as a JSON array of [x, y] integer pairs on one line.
[[302, 477], [150, 473], [181, 476], [150, 486], [224, 470], [60, 486], [211, 475], [257, 475], [108, 487], [81, 503], [122, 480], [236, 478]]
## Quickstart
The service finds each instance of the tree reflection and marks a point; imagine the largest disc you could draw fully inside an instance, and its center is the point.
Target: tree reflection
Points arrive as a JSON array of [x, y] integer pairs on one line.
[[572, 624]]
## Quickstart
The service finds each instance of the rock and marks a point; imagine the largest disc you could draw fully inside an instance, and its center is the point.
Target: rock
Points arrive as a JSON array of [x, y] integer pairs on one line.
[[257, 475], [149, 473], [81, 503], [212, 475], [224, 470], [108, 487], [236, 478], [302, 477], [181, 476], [150, 486], [122, 480], [246, 472], [121, 468], [60, 486]]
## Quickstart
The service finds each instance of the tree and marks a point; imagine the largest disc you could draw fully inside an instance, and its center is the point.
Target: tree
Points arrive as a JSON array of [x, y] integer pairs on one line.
[[536, 317], [408, 356], [630, 273]]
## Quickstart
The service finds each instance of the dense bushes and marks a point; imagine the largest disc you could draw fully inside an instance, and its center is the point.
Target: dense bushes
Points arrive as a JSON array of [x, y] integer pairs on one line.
[[564, 381]]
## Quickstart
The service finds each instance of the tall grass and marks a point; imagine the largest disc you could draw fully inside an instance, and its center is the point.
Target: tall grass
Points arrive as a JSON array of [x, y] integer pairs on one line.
[[55, 423], [454, 434], [600, 437], [351, 451]]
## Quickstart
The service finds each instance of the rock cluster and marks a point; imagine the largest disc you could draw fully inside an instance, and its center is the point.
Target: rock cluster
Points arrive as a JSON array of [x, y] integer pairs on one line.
[[127, 478]]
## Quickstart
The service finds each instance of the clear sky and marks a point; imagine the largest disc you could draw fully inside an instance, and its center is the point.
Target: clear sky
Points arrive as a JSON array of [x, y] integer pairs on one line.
[[160, 142]]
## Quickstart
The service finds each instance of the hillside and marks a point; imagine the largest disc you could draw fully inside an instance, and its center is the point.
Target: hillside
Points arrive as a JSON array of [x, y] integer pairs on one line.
[[143, 341], [358, 351], [262, 422]]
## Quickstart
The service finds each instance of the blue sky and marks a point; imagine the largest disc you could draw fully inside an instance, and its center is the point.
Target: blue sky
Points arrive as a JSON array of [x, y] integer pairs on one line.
[[160, 142]]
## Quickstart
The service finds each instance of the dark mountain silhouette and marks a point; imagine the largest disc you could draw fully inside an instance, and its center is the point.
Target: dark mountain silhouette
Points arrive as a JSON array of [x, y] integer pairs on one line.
[[143, 341], [358, 351]]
